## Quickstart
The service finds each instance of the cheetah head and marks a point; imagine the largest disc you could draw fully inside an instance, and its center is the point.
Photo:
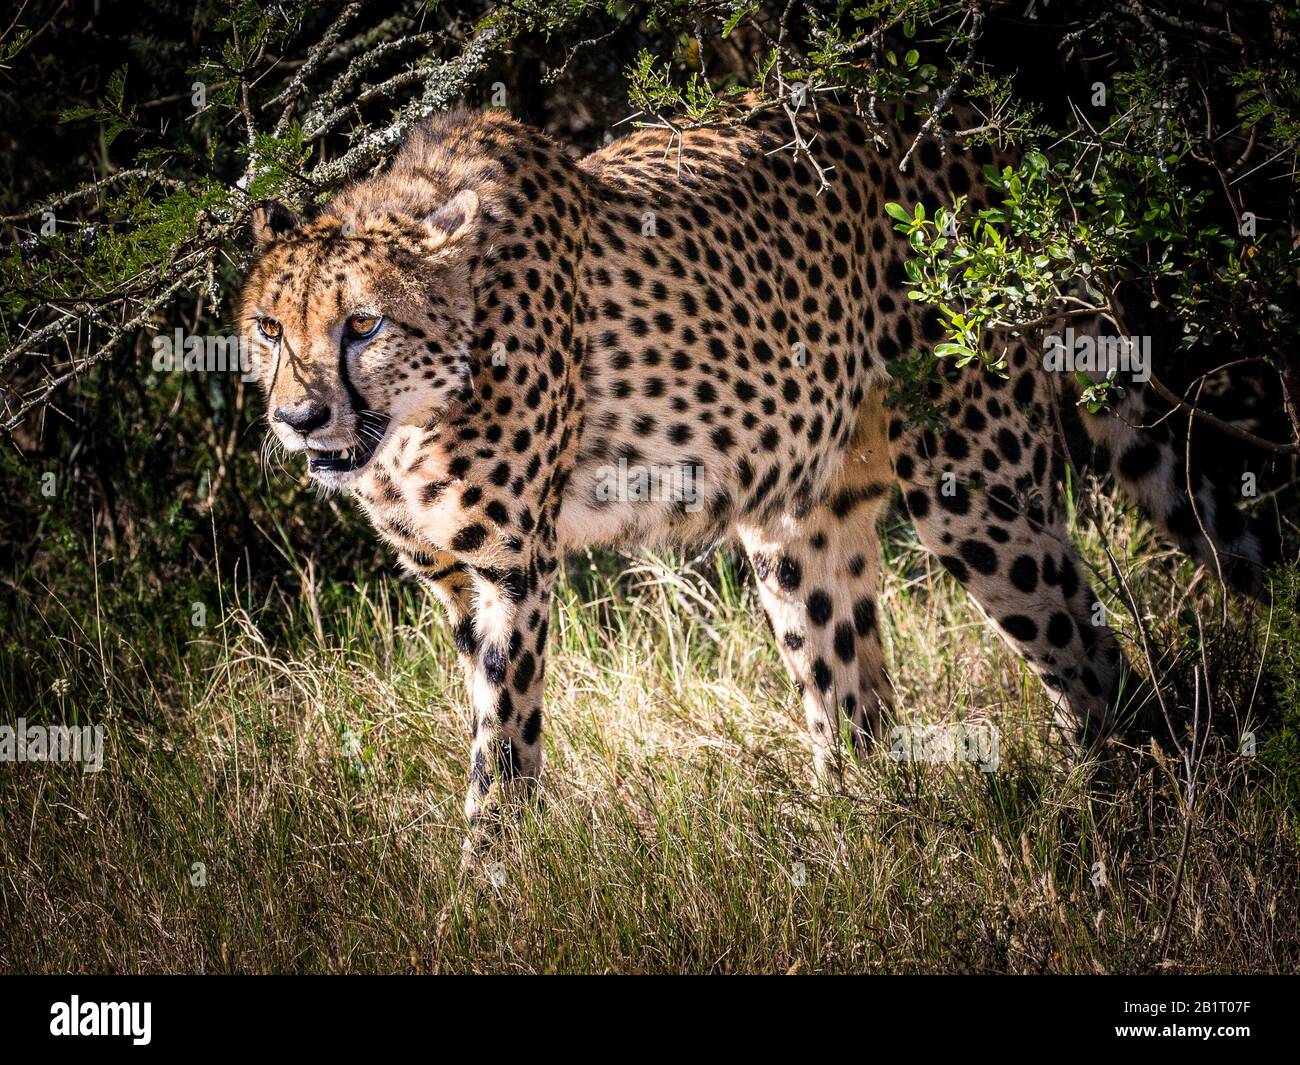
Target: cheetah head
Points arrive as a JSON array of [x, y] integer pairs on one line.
[[357, 324]]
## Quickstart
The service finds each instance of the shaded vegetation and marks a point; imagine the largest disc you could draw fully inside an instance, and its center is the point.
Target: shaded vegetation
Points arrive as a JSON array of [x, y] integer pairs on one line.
[[286, 712]]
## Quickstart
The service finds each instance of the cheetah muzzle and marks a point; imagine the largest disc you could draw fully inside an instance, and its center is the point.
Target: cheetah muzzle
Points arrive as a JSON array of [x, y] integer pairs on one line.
[[372, 432]]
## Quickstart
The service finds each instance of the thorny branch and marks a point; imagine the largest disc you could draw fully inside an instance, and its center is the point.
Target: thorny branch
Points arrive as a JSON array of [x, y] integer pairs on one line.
[[936, 113], [36, 374]]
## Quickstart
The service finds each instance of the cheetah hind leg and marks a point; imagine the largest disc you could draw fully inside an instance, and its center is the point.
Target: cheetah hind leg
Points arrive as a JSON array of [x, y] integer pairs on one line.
[[983, 499], [818, 577]]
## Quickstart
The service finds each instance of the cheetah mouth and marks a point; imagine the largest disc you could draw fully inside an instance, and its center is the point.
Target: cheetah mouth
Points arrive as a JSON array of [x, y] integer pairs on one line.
[[372, 431]]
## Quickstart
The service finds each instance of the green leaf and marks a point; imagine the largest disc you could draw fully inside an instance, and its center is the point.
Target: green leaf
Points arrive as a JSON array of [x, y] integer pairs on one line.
[[736, 17], [116, 89]]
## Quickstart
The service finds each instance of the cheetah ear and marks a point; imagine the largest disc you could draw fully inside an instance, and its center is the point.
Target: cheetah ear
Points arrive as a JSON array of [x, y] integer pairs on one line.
[[270, 221], [454, 219]]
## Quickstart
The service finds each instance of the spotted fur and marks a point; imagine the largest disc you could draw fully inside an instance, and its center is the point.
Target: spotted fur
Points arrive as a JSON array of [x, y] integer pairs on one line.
[[692, 303]]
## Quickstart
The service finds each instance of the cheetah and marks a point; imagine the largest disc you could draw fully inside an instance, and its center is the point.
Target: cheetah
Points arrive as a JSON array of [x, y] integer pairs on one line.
[[490, 343]]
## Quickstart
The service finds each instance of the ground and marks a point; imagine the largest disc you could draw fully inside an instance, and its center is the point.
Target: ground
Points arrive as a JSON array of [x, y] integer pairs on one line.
[[286, 799]]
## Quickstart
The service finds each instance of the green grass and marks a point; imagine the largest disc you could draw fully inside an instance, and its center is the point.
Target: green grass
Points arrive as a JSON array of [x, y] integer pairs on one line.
[[309, 750]]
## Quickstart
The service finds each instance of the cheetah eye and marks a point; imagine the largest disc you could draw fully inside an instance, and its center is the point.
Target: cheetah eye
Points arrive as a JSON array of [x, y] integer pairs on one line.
[[270, 328], [360, 326]]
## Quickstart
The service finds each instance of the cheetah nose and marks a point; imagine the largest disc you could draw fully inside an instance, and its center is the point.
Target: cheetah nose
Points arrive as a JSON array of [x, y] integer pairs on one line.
[[304, 417]]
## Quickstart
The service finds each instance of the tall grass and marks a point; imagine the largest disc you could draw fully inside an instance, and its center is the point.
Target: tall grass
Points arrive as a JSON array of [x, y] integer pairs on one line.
[[283, 786]]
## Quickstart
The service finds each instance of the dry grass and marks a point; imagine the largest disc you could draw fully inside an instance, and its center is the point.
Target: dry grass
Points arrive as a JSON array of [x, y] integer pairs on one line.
[[677, 833]]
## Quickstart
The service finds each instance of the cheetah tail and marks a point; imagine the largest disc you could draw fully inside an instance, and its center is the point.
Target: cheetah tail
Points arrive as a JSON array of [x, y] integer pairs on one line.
[[1132, 438]]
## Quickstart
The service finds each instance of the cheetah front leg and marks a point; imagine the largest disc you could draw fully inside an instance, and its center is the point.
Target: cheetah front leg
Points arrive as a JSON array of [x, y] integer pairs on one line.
[[506, 649], [499, 625]]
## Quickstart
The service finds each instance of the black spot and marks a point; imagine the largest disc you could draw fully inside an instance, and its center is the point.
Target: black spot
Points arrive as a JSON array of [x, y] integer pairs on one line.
[[819, 608], [1091, 682], [1024, 390], [958, 502], [956, 567], [464, 638], [470, 538], [478, 774], [980, 557], [844, 641], [1024, 573], [524, 672], [1009, 445], [1059, 629], [864, 616], [494, 665], [822, 675], [1069, 577], [722, 438], [958, 179], [1002, 503], [1020, 627]]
